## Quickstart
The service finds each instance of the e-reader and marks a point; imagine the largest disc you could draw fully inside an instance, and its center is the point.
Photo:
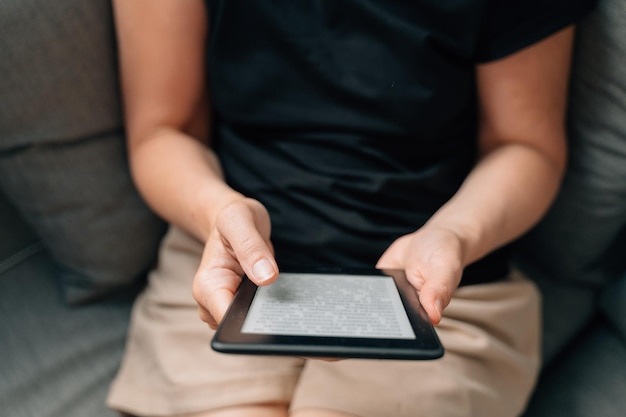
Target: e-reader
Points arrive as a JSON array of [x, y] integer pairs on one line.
[[331, 313]]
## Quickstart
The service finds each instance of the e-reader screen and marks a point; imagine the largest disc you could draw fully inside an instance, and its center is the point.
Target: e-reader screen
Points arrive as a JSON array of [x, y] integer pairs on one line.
[[329, 305]]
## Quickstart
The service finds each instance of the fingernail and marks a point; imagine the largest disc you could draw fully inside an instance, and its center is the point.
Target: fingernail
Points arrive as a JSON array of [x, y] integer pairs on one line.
[[263, 270]]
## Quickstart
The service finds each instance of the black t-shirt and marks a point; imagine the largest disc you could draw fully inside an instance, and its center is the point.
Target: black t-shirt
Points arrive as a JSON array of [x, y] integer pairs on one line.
[[354, 120]]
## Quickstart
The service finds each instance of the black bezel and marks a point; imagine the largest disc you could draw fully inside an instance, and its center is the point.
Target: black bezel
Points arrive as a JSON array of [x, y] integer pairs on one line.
[[426, 345]]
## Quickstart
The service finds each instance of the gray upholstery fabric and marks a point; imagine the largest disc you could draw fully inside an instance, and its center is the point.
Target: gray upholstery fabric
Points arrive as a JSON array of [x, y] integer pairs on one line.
[[566, 310], [62, 153], [571, 242], [80, 200], [17, 236], [57, 61], [56, 361], [614, 305], [588, 381]]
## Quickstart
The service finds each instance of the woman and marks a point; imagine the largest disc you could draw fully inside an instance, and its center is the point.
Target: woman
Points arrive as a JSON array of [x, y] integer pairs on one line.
[[420, 135]]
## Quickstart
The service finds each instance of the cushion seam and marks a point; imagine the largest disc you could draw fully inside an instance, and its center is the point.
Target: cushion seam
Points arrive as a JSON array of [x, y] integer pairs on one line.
[[20, 256]]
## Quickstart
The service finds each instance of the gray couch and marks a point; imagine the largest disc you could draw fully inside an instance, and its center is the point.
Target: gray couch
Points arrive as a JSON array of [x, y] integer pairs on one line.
[[76, 240]]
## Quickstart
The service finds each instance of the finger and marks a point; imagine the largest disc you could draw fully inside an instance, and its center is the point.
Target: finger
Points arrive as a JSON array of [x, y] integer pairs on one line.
[[415, 278], [244, 230], [206, 317], [222, 298], [214, 290], [216, 281]]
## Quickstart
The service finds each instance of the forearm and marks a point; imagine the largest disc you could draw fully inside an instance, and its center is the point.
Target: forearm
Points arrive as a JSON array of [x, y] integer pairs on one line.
[[162, 50], [506, 193], [181, 179], [522, 101]]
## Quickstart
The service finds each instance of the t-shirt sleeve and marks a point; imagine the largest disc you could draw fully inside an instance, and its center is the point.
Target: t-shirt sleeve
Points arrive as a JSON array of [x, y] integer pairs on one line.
[[510, 25]]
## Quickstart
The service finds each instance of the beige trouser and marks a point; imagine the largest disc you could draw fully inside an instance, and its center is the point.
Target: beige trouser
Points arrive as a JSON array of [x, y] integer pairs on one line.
[[490, 333]]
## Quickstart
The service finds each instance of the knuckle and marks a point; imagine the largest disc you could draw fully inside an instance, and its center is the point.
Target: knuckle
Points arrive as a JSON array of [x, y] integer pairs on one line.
[[201, 287], [197, 291]]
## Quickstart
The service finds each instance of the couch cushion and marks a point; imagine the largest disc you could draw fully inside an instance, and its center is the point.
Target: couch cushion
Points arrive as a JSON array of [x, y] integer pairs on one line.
[[62, 154], [589, 380], [566, 309], [17, 240], [58, 71], [79, 199], [56, 361]]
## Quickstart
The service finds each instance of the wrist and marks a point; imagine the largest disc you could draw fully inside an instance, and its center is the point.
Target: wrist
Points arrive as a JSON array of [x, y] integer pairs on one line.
[[467, 238], [211, 203]]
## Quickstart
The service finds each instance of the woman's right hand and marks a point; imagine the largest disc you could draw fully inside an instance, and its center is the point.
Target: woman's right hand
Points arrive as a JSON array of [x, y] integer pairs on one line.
[[238, 244]]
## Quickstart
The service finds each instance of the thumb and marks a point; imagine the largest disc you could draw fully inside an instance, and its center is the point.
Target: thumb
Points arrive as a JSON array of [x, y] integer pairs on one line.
[[435, 295], [247, 232], [436, 287]]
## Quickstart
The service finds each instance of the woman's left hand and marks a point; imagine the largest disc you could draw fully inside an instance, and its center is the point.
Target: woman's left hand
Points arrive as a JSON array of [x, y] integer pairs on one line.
[[432, 258]]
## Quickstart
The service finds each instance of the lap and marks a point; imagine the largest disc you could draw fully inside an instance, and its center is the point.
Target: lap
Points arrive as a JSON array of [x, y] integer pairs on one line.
[[490, 333]]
